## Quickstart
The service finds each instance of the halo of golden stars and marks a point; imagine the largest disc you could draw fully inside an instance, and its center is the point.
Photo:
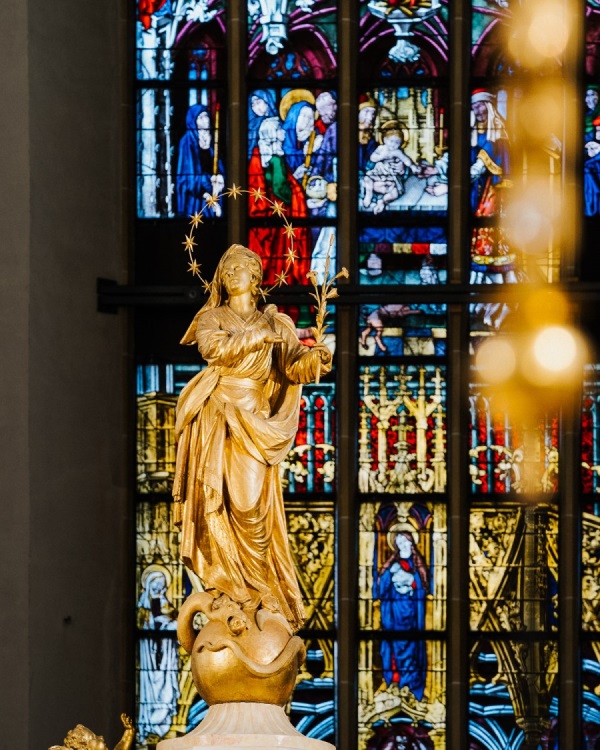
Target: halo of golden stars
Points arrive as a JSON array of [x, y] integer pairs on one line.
[[235, 192]]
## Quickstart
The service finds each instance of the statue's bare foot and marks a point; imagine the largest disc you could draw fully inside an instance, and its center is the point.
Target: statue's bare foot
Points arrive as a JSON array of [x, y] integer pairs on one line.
[[270, 602], [220, 601], [237, 623]]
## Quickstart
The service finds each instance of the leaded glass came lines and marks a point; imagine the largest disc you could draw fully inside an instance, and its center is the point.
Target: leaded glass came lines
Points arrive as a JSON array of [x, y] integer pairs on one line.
[[402, 432], [513, 568], [513, 696], [505, 455]]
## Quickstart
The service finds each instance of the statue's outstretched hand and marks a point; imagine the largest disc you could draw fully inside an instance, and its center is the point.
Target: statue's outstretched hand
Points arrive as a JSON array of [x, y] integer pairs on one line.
[[127, 723], [324, 353], [270, 336]]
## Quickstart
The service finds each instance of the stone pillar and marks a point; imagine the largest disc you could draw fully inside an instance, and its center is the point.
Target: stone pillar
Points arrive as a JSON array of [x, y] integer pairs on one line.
[[64, 513]]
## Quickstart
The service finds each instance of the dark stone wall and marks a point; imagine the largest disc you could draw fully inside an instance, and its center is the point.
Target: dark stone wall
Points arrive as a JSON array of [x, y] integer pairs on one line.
[[65, 513]]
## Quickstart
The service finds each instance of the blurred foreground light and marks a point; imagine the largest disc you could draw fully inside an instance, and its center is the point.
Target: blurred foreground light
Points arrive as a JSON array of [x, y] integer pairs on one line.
[[541, 112], [545, 307], [496, 360], [530, 216], [548, 30], [554, 357], [555, 348], [541, 32]]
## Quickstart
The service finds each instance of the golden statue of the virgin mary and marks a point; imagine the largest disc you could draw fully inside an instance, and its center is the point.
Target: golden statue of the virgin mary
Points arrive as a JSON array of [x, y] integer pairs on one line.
[[236, 421]]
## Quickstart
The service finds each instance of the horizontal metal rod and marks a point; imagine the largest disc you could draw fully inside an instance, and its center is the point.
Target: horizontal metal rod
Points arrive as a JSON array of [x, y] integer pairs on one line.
[[111, 295]]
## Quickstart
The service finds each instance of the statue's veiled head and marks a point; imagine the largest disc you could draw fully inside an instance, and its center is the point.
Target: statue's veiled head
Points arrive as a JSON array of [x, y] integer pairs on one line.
[[243, 255], [218, 292]]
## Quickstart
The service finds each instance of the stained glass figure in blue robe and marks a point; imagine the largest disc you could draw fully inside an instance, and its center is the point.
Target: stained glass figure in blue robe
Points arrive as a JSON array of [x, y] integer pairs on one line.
[[200, 172], [492, 262], [489, 153], [262, 105], [591, 164], [158, 655], [401, 585], [301, 139]]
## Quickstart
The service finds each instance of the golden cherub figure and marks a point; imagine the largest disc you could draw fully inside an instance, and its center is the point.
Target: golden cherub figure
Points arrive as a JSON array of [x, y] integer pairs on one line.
[[82, 738]]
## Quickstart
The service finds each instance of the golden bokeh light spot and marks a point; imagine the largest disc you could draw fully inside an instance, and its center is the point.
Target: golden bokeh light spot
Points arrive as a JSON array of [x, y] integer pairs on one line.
[[531, 215], [555, 349], [548, 30], [496, 360], [545, 307], [541, 113]]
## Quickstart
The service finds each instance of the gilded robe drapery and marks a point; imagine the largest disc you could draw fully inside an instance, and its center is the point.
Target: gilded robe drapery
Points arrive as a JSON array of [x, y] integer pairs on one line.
[[236, 421]]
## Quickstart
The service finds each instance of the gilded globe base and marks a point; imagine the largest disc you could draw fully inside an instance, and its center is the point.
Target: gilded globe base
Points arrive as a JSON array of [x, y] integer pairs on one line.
[[239, 655]]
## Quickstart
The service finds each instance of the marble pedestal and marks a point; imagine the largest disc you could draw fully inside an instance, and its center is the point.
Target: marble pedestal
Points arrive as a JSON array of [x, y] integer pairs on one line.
[[244, 725]]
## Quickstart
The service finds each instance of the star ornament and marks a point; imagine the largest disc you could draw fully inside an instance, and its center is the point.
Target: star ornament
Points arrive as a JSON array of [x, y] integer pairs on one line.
[[234, 192], [189, 243], [194, 268], [278, 208]]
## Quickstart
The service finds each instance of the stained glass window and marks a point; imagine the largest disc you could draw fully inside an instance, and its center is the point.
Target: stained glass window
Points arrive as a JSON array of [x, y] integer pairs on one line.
[[402, 705], [591, 685], [296, 40], [500, 172], [403, 550], [403, 330], [507, 456], [590, 568], [426, 441], [513, 554], [292, 135], [513, 697], [403, 255], [590, 432], [402, 433], [404, 159], [402, 591], [292, 151], [405, 41], [591, 137], [590, 562], [590, 520], [180, 53]]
